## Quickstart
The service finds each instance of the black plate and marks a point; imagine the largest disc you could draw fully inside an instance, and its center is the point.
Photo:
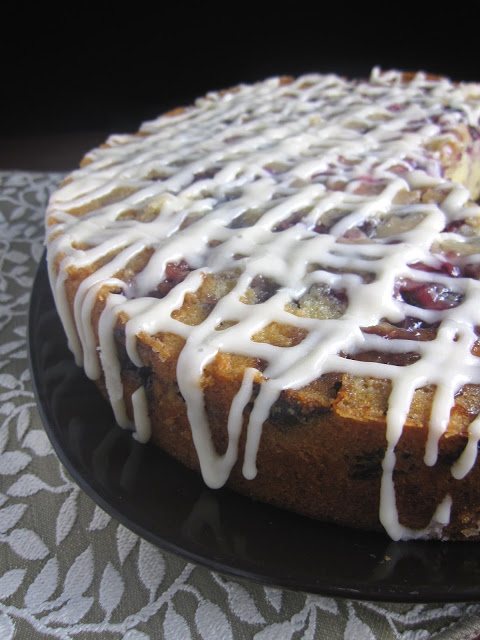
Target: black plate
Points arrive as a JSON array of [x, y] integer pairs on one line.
[[170, 506]]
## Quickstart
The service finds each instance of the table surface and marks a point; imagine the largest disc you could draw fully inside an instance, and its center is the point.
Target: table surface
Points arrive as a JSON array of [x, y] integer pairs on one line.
[[68, 569]]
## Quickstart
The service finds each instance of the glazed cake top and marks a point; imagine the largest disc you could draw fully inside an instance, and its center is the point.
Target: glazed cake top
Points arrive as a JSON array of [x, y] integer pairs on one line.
[[330, 206]]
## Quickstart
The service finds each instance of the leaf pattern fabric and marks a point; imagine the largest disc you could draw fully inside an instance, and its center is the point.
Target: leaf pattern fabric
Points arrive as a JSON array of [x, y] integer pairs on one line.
[[69, 570]]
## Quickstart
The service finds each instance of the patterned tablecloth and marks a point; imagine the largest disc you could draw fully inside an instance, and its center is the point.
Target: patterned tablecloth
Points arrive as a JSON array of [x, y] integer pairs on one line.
[[69, 570]]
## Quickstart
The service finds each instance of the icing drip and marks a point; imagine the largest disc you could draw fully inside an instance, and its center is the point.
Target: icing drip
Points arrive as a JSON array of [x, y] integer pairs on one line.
[[140, 411], [312, 185]]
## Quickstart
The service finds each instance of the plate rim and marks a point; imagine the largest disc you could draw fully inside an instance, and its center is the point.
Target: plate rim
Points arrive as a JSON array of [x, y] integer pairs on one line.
[[399, 593]]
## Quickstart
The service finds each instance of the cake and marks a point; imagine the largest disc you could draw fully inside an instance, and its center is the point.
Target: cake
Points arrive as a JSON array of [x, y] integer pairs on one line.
[[280, 286]]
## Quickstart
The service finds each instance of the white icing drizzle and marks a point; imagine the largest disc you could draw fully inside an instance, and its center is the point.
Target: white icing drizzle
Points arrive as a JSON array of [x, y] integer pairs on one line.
[[143, 429], [313, 163]]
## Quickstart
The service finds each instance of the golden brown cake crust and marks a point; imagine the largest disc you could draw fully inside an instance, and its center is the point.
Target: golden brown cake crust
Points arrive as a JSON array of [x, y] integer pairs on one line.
[[327, 436]]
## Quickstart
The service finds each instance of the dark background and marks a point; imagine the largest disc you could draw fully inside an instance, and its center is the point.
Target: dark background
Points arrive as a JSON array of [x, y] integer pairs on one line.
[[72, 77]]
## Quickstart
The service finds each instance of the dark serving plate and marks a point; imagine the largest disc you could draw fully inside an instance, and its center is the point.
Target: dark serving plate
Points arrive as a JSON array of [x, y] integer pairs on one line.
[[169, 505]]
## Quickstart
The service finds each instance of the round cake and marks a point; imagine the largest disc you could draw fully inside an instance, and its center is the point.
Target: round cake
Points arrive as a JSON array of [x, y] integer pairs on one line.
[[280, 286]]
